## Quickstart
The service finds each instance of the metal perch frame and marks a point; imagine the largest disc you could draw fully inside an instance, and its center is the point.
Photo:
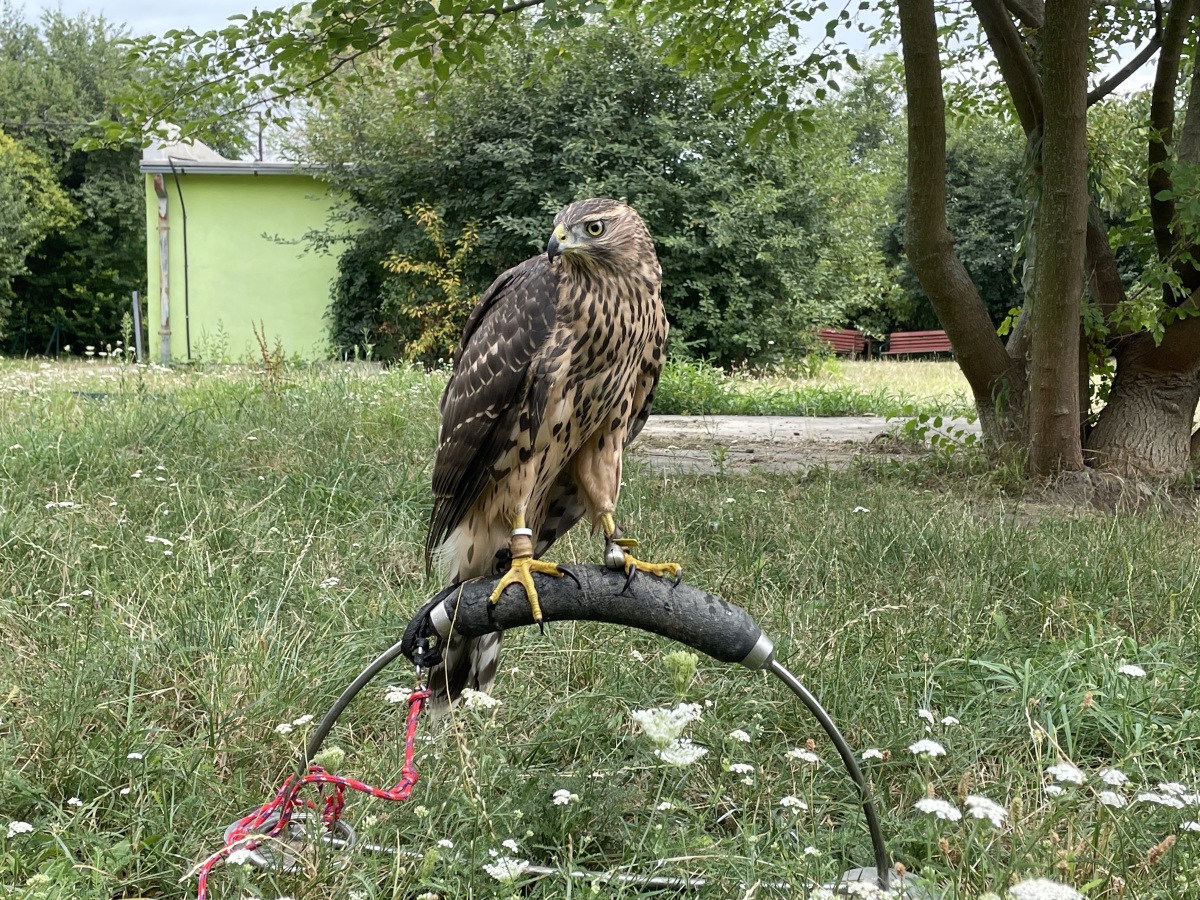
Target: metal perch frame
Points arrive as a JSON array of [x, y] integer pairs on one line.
[[681, 612]]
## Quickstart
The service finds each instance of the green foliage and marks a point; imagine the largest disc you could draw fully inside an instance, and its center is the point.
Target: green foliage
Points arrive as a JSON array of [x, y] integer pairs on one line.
[[985, 211], [739, 229], [32, 206]]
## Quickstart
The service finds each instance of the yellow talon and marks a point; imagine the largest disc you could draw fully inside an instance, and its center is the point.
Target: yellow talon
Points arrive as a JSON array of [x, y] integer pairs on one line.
[[521, 572], [633, 564]]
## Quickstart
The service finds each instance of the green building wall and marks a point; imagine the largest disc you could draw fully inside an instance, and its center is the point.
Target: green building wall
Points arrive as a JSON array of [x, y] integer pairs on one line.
[[244, 265]]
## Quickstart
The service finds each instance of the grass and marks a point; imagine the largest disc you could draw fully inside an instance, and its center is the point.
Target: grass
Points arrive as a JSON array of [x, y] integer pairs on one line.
[[191, 559], [837, 388]]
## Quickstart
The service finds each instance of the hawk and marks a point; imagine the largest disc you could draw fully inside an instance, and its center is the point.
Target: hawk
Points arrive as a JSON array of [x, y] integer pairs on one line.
[[553, 377]]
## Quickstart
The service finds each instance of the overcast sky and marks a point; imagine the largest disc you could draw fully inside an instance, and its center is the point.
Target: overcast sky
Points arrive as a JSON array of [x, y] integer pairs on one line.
[[154, 16]]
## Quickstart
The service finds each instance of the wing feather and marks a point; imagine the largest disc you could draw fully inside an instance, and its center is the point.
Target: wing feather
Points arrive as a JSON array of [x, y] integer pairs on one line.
[[491, 387]]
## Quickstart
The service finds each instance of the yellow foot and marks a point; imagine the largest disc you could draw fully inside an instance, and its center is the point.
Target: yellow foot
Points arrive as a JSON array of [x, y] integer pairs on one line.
[[521, 572], [634, 565]]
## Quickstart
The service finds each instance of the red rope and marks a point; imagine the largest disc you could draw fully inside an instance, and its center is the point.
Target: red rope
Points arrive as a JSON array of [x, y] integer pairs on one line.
[[248, 832]]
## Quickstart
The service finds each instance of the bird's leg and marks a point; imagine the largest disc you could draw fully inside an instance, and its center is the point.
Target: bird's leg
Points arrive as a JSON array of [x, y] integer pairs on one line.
[[523, 566], [617, 555]]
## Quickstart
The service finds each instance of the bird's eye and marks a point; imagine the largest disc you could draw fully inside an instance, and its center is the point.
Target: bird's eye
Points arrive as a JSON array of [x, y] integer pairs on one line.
[[595, 229]]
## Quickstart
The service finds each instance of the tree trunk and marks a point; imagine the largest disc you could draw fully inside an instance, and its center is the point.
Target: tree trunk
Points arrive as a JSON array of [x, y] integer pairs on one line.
[[997, 384], [1054, 428], [1145, 429]]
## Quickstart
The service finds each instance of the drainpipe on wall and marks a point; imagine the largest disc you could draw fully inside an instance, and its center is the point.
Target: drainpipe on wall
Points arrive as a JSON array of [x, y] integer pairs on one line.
[[164, 273]]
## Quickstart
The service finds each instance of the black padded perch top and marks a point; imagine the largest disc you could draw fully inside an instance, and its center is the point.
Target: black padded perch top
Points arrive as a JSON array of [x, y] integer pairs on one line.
[[592, 593]]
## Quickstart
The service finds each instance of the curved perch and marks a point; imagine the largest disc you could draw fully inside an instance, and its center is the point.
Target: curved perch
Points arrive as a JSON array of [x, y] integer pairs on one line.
[[681, 612]]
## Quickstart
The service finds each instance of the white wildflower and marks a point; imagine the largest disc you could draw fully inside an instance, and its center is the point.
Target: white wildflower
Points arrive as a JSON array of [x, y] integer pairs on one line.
[[15, 828], [395, 694], [1132, 671], [1052, 790], [1160, 799], [478, 699], [133, 755], [429, 895], [950, 720], [506, 869], [510, 845], [1174, 788], [1043, 889], [872, 753], [137, 474], [1112, 777], [153, 539], [330, 582], [238, 857], [793, 803], [926, 715], [1066, 773], [804, 755], [1190, 826], [927, 748], [662, 725], [665, 805], [445, 843], [811, 851], [943, 809], [680, 752], [283, 728], [124, 792], [861, 509], [61, 504], [1113, 799], [738, 735], [983, 808], [74, 801], [562, 797], [303, 720], [741, 768]]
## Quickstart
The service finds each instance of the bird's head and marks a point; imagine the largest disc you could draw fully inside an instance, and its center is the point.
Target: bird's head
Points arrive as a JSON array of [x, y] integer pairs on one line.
[[599, 232]]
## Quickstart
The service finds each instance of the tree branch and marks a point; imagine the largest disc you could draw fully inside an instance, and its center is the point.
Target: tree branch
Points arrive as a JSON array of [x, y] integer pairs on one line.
[[1030, 14], [1162, 123], [511, 8], [1015, 64], [1115, 80]]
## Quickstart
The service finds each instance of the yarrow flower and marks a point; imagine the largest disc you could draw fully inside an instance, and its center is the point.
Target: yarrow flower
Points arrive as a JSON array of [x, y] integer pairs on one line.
[[74, 801], [1066, 773], [283, 728], [478, 699], [680, 752], [1043, 889], [943, 809], [811, 851], [738, 735], [238, 857], [926, 715], [506, 869], [927, 748], [15, 828], [872, 753], [1160, 799], [950, 720], [133, 755], [741, 768], [665, 805], [1132, 671], [445, 843], [303, 720], [329, 582], [395, 694], [982, 808], [1052, 790], [804, 755], [1190, 826], [662, 725], [510, 845], [795, 804], [1113, 799], [562, 797], [1112, 777]]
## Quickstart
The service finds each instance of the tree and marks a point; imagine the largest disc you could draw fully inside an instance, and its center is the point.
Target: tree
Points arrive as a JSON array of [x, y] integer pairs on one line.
[[31, 207], [1032, 391], [740, 231]]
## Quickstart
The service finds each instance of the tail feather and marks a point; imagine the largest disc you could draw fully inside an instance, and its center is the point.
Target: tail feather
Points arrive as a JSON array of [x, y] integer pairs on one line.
[[466, 663]]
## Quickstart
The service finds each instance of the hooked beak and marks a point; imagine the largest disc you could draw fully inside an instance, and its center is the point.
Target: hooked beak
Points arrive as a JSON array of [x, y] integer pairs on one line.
[[554, 247]]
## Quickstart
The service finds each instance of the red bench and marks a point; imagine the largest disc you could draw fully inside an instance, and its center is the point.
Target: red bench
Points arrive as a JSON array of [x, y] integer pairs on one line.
[[848, 341], [909, 342]]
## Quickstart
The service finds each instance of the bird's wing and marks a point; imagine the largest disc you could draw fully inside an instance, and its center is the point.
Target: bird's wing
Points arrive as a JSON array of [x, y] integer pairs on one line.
[[490, 389]]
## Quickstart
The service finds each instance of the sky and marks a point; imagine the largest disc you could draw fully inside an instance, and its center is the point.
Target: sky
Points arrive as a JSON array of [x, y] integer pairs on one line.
[[154, 16]]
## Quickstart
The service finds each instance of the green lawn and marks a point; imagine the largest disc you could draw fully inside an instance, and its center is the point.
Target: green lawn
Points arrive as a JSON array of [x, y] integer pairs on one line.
[[189, 560]]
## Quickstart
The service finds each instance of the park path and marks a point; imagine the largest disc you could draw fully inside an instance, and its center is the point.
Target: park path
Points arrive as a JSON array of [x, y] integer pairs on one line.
[[739, 444]]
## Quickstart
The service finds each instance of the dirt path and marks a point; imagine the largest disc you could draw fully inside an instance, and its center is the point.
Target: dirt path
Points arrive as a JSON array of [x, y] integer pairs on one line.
[[712, 444]]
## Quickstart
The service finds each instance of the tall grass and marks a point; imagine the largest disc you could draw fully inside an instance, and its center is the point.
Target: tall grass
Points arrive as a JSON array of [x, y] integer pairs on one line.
[[189, 560]]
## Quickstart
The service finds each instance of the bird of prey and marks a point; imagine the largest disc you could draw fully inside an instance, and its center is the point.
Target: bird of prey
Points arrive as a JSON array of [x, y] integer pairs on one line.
[[553, 377]]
